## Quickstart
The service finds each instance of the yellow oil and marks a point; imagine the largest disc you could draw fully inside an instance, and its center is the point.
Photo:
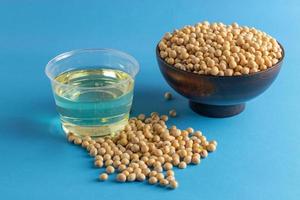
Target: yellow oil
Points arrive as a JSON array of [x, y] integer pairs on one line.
[[94, 102]]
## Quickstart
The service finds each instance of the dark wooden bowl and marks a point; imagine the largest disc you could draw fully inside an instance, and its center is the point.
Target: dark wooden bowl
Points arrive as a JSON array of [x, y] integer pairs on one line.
[[218, 96]]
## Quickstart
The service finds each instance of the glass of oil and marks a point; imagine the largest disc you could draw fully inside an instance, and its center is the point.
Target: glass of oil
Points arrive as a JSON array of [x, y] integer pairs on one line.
[[93, 90]]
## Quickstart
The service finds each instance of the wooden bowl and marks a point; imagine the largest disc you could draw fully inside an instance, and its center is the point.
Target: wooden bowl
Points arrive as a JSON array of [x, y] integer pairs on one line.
[[218, 96]]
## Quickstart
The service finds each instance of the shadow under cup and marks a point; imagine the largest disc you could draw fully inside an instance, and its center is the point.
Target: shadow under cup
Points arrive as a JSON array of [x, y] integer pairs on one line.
[[93, 90]]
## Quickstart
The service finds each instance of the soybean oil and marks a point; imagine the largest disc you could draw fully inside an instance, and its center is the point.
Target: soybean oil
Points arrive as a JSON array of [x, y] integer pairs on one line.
[[93, 102]]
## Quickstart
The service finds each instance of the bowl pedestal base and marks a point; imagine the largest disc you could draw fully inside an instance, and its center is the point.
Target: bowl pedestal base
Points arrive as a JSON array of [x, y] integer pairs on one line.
[[216, 111]]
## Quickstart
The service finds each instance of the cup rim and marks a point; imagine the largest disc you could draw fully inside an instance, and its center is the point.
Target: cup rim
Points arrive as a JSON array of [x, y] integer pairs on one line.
[[78, 51]]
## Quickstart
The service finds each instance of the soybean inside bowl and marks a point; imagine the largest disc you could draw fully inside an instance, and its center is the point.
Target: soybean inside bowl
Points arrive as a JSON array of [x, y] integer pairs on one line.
[[218, 96]]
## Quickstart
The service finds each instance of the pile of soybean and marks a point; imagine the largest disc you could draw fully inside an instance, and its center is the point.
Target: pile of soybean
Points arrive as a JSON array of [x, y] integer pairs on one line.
[[147, 150], [220, 50]]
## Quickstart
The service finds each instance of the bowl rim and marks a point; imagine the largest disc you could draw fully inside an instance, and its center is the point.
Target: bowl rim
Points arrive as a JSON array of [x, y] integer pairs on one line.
[[278, 64]]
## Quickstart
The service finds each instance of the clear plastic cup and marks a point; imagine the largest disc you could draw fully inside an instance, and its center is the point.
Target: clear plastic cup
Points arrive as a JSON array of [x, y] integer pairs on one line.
[[93, 90]]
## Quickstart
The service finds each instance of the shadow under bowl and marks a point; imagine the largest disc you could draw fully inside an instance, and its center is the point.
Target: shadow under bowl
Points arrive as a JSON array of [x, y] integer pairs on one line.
[[218, 96]]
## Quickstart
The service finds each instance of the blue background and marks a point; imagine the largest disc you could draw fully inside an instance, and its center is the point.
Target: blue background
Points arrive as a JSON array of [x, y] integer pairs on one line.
[[258, 152]]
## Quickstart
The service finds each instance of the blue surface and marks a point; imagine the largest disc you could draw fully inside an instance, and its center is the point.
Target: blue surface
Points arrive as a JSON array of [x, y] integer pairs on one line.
[[258, 152]]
